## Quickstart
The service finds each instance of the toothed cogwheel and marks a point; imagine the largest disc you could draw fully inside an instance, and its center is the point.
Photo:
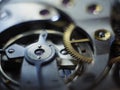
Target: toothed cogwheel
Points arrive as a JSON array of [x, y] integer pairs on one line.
[[72, 38]]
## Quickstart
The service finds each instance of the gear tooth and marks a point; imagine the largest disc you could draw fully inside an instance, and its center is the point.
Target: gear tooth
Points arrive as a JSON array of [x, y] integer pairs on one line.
[[68, 46]]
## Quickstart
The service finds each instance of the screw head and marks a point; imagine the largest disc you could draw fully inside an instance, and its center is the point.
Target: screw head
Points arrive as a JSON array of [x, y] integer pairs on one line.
[[63, 52], [11, 51], [102, 35]]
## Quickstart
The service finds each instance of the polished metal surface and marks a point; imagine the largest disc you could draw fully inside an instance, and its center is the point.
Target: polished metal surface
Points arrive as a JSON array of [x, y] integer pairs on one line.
[[59, 44]]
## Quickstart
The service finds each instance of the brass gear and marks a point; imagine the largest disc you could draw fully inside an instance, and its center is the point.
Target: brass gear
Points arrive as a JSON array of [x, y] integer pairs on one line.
[[68, 44]]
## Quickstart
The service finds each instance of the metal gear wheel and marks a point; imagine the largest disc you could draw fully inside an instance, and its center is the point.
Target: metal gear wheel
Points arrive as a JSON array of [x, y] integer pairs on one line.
[[72, 40]]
